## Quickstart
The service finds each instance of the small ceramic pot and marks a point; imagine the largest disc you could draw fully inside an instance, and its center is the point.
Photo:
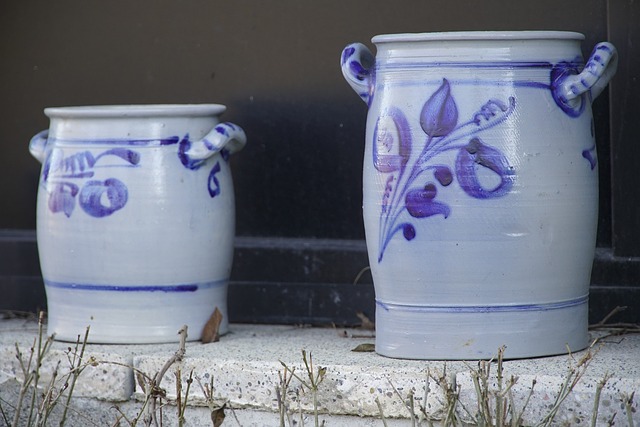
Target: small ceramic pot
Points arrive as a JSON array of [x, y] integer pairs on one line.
[[480, 189], [135, 220]]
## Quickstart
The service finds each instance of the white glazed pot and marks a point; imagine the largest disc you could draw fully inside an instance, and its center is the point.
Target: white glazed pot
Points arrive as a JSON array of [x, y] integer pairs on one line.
[[480, 190], [135, 220]]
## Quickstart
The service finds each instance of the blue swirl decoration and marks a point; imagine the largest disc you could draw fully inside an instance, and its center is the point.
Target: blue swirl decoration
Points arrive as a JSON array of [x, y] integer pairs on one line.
[[102, 198]]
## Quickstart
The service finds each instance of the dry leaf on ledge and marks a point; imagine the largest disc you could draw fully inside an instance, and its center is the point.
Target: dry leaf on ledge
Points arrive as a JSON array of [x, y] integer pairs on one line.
[[212, 327], [365, 348], [217, 416]]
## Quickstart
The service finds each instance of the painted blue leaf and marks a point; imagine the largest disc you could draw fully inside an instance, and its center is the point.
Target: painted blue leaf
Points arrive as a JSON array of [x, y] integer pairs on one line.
[[408, 231], [439, 114], [130, 156], [443, 175], [493, 112], [476, 154], [421, 203], [62, 198], [392, 142], [386, 196], [78, 163]]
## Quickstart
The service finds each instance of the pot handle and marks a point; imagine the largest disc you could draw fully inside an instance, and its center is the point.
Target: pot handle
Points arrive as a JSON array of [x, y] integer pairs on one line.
[[38, 145], [357, 63], [224, 135], [595, 76]]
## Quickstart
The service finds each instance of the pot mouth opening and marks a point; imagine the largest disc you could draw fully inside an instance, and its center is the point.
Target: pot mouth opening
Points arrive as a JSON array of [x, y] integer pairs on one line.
[[478, 36], [135, 110]]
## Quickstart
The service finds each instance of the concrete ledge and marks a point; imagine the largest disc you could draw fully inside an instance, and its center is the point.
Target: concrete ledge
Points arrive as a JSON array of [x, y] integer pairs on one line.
[[246, 368]]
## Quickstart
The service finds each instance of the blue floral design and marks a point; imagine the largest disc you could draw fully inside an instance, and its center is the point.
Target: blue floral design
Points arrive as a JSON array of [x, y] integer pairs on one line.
[[439, 119], [65, 178]]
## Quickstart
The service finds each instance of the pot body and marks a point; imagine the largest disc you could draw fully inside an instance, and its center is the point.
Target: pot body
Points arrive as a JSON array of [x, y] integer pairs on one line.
[[135, 227], [480, 191]]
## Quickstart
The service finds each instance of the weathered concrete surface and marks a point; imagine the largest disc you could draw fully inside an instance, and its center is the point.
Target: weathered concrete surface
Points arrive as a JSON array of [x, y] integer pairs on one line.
[[246, 369]]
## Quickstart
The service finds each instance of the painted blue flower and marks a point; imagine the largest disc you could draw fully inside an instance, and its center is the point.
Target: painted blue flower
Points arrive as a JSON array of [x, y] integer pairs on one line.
[[403, 197], [392, 142], [97, 198], [439, 114]]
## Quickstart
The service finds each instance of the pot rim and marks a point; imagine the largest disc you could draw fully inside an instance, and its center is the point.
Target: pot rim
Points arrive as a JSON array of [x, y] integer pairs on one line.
[[478, 36], [134, 110]]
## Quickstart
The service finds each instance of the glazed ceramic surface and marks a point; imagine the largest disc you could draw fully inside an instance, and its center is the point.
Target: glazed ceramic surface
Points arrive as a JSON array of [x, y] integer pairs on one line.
[[480, 189], [135, 219]]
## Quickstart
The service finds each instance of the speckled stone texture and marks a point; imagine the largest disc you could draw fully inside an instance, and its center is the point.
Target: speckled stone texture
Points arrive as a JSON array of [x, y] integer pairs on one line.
[[246, 368], [106, 373]]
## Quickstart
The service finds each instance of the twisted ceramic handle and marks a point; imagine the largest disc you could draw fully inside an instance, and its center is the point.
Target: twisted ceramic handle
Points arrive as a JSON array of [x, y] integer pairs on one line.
[[357, 63], [225, 135], [595, 76]]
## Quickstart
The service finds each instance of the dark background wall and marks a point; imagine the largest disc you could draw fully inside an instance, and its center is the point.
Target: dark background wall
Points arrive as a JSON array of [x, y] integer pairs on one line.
[[275, 64]]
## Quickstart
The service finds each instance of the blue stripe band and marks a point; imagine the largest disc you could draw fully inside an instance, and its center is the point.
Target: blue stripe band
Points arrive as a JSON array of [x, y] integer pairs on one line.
[[467, 65], [122, 142], [186, 287], [483, 308]]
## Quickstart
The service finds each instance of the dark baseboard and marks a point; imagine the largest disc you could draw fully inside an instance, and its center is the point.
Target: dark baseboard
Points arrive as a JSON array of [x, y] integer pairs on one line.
[[304, 281]]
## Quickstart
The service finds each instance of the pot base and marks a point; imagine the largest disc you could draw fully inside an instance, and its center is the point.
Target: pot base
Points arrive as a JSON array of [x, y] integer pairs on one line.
[[148, 314], [473, 333]]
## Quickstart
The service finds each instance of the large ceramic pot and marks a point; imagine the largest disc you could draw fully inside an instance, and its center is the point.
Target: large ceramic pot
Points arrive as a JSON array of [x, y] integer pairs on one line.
[[480, 189], [135, 219]]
